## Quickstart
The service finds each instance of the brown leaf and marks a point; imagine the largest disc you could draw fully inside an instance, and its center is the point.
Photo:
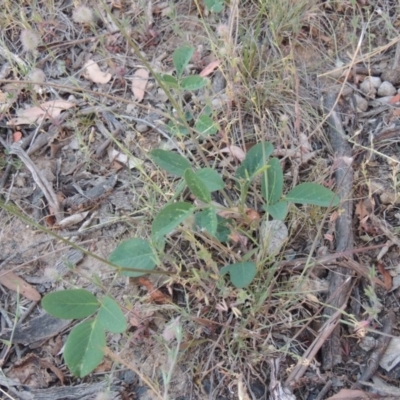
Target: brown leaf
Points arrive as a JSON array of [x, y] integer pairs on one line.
[[387, 279], [157, 295], [14, 282], [348, 394], [235, 151], [139, 83], [93, 72], [49, 109], [17, 136], [210, 68]]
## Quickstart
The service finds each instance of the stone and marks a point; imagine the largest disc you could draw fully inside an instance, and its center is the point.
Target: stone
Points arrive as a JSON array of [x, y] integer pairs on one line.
[[392, 76], [386, 89], [362, 104]]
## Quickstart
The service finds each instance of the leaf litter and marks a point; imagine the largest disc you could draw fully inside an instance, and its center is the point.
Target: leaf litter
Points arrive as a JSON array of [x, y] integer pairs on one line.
[[107, 189]]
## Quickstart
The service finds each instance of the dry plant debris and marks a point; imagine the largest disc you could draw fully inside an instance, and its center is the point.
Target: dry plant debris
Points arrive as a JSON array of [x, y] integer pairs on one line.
[[93, 95]]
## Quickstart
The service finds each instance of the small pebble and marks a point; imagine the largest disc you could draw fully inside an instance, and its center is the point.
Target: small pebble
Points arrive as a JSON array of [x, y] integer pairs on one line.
[[141, 128], [368, 88], [362, 104], [386, 89], [384, 100], [391, 75], [375, 81]]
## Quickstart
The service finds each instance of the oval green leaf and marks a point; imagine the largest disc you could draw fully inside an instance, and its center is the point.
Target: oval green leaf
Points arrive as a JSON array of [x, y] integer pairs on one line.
[[272, 182], [134, 253], [241, 274], [70, 304], [255, 159], [84, 349], [278, 210], [181, 58], [312, 193], [197, 186], [170, 217], [211, 178], [207, 220], [193, 82], [111, 316], [169, 81], [205, 125], [172, 162]]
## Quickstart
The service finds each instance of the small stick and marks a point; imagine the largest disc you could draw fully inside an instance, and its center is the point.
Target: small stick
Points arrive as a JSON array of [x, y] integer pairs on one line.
[[376, 355]]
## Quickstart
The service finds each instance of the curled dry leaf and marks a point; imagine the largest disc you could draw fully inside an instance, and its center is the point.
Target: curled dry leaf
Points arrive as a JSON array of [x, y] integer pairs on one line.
[[170, 331], [13, 282], [73, 219], [235, 151], [156, 295], [139, 83], [210, 68], [347, 394], [273, 235], [49, 109], [131, 162], [93, 73]]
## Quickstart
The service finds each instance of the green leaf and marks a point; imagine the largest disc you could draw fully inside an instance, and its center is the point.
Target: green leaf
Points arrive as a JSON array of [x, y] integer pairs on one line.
[[272, 182], [193, 82], [134, 253], [312, 193], [111, 316], [181, 58], [170, 81], [223, 229], [172, 162], [70, 304], [207, 220], [211, 178], [242, 274], [214, 6], [278, 210], [170, 217], [177, 128], [197, 186], [205, 125], [256, 158], [84, 347]]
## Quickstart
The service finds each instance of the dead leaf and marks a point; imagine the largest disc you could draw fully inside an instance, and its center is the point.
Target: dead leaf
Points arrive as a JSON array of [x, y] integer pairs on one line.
[[273, 235], [115, 155], [347, 394], [170, 331], [93, 73], [156, 295], [139, 83], [140, 315], [394, 99], [210, 68], [17, 136], [235, 151], [30, 372], [13, 282], [49, 109], [387, 279], [73, 219]]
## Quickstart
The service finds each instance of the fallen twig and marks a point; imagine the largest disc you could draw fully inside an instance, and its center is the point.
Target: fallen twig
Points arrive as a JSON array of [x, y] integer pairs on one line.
[[39, 179], [338, 279], [376, 355]]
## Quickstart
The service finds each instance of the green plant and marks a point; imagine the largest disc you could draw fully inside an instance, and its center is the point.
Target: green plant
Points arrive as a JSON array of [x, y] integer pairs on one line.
[[85, 343], [84, 349], [203, 123]]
